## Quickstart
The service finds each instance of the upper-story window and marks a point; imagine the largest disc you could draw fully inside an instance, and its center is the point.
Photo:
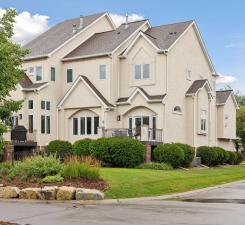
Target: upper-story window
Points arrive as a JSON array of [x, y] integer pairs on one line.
[[52, 73], [42, 104], [102, 71], [203, 120], [141, 71], [47, 105], [39, 73], [31, 70], [30, 104], [69, 76]]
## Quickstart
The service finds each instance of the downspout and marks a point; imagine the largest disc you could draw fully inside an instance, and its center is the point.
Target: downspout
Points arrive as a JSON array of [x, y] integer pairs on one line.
[[209, 123], [57, 123], [194, 120]]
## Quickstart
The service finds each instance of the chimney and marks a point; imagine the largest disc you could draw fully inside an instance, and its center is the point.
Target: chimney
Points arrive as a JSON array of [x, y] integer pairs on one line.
[[74, 28], [126, 23], [81, 22]]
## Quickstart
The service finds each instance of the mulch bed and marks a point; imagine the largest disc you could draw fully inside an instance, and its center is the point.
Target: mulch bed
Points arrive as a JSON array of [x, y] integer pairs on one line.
[[79, 182], [7, 223]]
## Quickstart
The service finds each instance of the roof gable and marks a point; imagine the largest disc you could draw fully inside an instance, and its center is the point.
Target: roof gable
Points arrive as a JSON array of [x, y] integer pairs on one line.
[[27, 85], [91, 87], [197, 85], [51, 40], [223, 96]]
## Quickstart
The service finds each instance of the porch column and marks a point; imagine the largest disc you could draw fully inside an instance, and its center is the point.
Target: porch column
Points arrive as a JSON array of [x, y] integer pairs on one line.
[[147, 153], [144, 133]]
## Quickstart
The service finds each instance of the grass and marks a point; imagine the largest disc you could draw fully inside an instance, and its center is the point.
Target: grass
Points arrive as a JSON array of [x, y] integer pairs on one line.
[[130, 183]]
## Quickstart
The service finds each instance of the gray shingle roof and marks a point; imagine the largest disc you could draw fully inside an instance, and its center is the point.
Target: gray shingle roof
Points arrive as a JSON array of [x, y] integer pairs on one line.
[[165, 35], [150, 97], [26, 83], [56, 36], [105, 42], [222, 96], [196, 85]]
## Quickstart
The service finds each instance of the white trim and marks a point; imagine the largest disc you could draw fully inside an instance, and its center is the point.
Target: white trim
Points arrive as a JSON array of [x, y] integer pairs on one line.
[[80, 78], [74, 36], [206, 83], [135, 40], [86, 56], [146, 22], [36, 89], [134, 93]]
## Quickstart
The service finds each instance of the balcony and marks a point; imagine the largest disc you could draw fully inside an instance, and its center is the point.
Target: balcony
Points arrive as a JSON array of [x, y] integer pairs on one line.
[[142, 133]]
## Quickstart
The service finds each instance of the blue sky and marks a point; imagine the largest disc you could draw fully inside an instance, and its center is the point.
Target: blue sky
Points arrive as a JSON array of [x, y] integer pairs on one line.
[[222, 23]]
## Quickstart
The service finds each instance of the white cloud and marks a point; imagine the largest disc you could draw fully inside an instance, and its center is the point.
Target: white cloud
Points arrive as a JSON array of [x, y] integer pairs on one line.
[[28, 26], [223, 79], [236, 45], [119, 19]]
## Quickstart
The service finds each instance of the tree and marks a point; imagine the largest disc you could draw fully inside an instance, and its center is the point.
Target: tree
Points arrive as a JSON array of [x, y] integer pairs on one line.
[[240, 121], [11, 59]]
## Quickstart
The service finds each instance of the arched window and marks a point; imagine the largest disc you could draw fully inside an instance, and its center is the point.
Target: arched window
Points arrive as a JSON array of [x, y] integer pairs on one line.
[[177, 109]]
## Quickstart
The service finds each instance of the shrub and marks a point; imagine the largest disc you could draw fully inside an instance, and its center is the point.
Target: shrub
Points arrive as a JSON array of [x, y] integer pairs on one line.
[[221, 155], [5, 168], [81, 147], [231, 157], [118, 152], [155, 166], [239, 158], [208, 155], [189, 154], [71, 170], [88, 172], [59, 148], [38, 166], [52, 179], [169, 153]]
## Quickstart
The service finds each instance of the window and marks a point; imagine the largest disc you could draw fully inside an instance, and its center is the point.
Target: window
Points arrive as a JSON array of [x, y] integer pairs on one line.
[[38, 73], [96, 124], [31, 70], [47, 124], [137, 72], [89, 125], [47, 105], [52, 78], [177, 109], [86, 126], [69, 76], [82, 125], [141, 71], [203, 120], [146, 71], [43, 124], [42, 104], [30, 123], [102, 72], [75, 126], [30, 104]]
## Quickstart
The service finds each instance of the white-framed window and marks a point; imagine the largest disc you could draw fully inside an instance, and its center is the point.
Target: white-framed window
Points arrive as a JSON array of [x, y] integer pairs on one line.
[[45, 124], [203, 120], [39, 73], [141, 71], [31, 70], [87, 125], [102, 72], [177, 109]]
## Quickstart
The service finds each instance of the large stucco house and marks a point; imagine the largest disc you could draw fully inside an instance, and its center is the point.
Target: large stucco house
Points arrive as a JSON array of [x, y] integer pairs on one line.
[[86, 78]]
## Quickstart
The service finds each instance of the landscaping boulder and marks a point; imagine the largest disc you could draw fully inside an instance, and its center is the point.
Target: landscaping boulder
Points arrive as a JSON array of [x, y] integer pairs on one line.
[[89, 194], [66, 193], [48, 193], [30, 193], [9, 192]]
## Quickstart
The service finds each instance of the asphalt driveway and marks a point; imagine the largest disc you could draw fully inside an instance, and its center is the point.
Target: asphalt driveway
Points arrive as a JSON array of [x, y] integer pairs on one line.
[[220, 206]]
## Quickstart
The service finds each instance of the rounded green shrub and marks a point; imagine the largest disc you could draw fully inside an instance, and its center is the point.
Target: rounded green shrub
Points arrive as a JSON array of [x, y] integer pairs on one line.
[[208, 155], [239, 158], [59, 148], [189, 154], [169, 153], [221, 155], [118, 152], [231, 158], [81, 147]]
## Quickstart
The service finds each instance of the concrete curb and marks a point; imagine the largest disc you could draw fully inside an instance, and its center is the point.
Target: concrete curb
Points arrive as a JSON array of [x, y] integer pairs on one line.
[[75, 203]]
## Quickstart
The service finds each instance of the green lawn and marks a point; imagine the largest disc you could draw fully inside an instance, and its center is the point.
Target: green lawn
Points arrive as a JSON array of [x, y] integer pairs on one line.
[[129, 183]]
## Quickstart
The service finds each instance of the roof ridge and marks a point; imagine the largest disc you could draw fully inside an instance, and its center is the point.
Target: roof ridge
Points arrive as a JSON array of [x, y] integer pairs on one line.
[[134, 21], [225, 90], [173, 23]]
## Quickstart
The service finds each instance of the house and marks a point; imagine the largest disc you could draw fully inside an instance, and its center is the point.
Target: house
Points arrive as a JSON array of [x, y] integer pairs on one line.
[[86, 78]]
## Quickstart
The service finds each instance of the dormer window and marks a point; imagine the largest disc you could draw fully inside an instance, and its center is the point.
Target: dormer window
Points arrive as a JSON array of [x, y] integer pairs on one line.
[[141, 71], [39, 73]]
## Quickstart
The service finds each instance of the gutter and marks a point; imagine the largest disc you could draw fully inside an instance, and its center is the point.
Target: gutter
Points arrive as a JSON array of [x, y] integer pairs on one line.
[[86, 56]]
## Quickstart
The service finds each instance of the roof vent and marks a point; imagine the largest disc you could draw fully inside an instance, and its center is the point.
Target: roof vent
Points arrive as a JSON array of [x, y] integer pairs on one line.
[[170, 33], [74, 28], [126, 23], [81, 22]]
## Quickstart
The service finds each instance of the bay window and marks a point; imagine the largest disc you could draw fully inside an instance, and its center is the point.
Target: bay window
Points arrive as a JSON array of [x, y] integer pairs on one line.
[[87, 126]]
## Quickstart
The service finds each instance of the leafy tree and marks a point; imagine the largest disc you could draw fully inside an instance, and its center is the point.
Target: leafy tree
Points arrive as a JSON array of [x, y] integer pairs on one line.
[[11, 59], [240, 121]]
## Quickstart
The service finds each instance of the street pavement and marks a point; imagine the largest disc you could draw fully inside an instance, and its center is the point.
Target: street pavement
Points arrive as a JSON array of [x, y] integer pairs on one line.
[[220, 206]]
